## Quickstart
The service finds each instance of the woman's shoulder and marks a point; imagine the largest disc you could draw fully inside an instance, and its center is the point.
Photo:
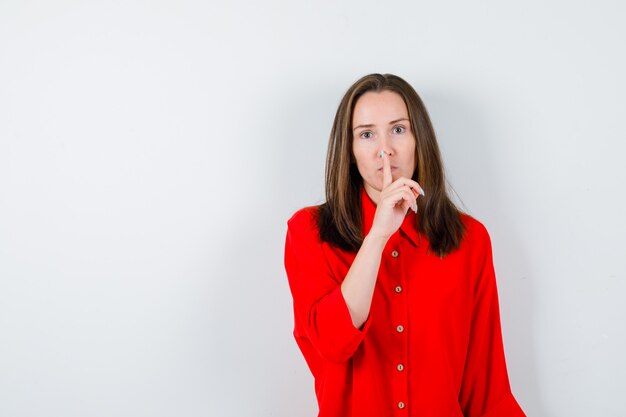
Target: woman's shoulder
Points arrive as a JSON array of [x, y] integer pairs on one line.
[[304, 218], [475, 231]]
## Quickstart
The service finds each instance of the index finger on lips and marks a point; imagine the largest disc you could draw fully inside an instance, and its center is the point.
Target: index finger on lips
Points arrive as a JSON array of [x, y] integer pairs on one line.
[[387, 179]]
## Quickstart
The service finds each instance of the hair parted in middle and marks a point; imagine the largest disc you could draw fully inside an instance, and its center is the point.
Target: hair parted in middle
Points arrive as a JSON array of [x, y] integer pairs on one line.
[[340, 219]]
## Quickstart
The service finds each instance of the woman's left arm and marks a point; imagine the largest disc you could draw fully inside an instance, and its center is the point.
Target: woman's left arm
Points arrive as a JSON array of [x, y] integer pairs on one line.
[[486, 391]]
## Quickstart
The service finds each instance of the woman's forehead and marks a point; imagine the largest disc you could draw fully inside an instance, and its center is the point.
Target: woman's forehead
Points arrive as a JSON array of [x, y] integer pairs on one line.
[[379, 107]]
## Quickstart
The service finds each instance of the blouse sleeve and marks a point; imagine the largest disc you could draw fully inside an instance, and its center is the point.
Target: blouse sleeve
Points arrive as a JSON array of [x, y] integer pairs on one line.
[[322, 322], [486, 391]]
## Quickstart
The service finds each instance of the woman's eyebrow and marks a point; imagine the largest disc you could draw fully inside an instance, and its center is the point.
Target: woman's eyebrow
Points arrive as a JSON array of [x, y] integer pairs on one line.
[[402, 119], [362, 126]]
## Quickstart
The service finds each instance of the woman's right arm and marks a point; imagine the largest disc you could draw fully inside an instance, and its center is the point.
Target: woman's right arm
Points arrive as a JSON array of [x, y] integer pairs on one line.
[[358, 286], [331, 313], [395, 199], [323, 326]]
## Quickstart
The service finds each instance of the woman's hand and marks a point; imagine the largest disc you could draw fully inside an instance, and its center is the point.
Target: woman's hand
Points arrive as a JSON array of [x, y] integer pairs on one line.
[[396, 197]]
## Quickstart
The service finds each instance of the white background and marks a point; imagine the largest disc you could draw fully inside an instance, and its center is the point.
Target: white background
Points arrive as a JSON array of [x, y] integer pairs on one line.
[[151, 153]]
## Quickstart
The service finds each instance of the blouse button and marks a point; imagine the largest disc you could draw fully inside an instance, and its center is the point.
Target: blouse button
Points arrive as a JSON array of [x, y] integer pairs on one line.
[[394, 253], [400, 367], [400, 328], [401, 404], [398, 289]]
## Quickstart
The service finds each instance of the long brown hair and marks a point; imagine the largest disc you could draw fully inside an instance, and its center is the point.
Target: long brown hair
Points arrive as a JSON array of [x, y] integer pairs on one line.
[[340, 219]]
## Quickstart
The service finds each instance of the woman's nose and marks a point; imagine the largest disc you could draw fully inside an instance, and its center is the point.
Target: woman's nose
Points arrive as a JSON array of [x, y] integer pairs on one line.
[[385, 146]]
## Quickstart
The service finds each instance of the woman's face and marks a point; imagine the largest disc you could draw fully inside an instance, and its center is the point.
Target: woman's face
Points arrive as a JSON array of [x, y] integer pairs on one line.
[[380, 122]]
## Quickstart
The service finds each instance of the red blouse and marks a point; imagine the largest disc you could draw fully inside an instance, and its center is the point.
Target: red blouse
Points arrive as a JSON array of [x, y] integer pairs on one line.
[[432, 344]]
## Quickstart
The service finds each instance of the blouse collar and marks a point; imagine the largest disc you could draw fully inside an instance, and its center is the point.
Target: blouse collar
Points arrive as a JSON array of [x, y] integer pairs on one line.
[[408, 227]]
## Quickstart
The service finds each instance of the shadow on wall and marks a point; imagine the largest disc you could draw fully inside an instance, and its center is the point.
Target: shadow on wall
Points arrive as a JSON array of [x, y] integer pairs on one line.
[[253, 349], [303, 119]]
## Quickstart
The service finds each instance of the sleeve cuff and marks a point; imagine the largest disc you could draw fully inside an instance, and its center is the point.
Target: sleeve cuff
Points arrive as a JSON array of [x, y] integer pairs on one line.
[[507, 407], [332, 318]]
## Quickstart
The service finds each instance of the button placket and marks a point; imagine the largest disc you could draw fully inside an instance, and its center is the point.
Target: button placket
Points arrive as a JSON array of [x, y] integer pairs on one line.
[[401, 316]]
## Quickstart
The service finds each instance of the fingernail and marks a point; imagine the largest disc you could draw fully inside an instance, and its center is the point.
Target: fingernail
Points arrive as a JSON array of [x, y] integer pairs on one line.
[[414, 207], [382, 154], [423, 193]]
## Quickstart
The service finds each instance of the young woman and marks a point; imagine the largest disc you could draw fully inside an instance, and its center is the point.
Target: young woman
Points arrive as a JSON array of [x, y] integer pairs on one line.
[[395, 300]]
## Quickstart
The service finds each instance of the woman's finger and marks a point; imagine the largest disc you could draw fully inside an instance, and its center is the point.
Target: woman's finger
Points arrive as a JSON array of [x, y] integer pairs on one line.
[[400, 197], [412, 184], [387, 179], [406, 182]]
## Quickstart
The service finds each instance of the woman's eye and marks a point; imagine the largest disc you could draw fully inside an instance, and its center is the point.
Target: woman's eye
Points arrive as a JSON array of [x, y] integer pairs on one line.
[[366, 135], [399, 129]]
